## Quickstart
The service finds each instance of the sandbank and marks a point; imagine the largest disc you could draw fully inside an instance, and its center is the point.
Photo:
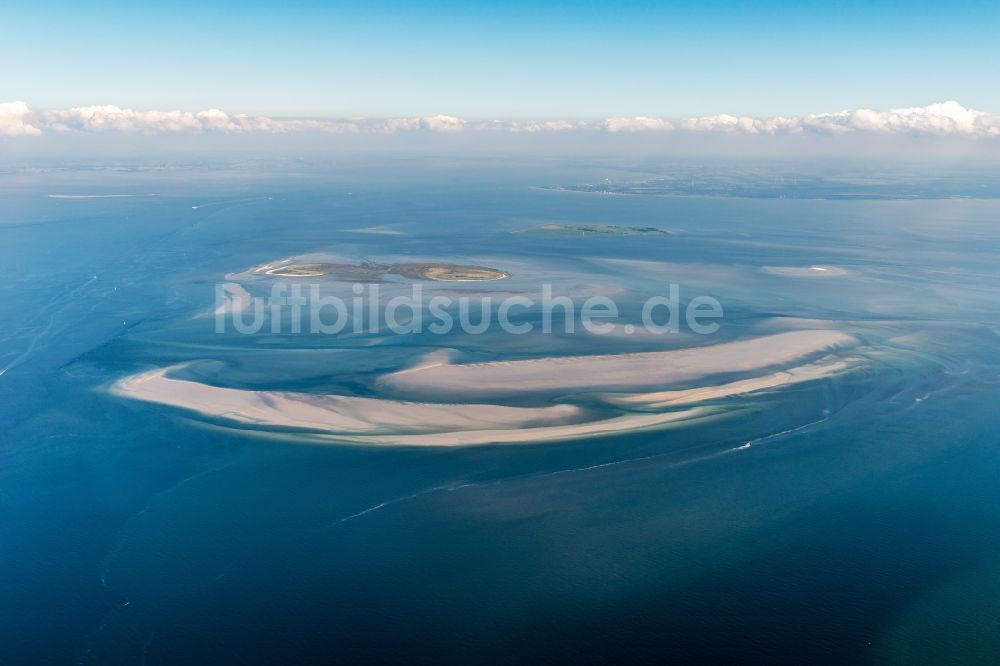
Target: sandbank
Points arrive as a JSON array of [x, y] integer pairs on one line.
[[573, 374]]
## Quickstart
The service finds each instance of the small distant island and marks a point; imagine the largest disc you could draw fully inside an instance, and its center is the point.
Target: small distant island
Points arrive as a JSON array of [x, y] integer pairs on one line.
[[370, 272], [594, 230]]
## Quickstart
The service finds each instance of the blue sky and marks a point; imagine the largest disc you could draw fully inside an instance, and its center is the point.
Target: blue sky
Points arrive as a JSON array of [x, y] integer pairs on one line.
[[505, 60]]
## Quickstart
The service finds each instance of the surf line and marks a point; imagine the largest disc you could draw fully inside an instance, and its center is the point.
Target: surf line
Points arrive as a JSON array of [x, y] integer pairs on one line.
[[404, 498]]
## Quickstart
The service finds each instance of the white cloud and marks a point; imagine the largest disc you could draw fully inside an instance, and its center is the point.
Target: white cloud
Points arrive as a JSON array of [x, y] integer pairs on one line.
[[537, 126], [636, 124], [743, 124], [399, 125], [443, 124], [720, 123], [429, 123], [943, 119], [111, 118], [13, 117], [115, 119]]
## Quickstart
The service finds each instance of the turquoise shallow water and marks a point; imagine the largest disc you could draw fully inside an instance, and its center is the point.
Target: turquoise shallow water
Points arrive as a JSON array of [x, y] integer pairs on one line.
[[860, 526]]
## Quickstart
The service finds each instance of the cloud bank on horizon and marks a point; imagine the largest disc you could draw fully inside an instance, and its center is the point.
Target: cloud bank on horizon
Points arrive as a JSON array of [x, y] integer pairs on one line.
[[942, 119]]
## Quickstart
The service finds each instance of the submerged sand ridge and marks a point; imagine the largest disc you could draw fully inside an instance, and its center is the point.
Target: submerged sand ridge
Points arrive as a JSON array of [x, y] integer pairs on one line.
[[465, 421]]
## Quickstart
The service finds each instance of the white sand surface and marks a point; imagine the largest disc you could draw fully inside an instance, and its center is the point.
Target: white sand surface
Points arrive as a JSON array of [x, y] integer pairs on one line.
[[664, 399], [624, 423], [407, 423], [385, 422], [637, 370], [340, 414]]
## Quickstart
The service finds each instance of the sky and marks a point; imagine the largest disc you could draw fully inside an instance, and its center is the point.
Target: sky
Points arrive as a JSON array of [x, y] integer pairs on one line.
[[513, 61]]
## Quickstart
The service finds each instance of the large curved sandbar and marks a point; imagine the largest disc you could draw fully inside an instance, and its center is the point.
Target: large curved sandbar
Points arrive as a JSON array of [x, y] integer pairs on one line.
[[382, 421], [347, 415], [331, 418], [574, 374]]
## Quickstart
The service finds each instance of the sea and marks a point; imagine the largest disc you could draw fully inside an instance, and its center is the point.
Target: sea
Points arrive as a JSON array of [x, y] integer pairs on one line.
[[850, 519]]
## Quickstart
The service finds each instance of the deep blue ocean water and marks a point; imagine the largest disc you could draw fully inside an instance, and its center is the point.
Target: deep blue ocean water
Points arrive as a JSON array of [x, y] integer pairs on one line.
[[862, 526]]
